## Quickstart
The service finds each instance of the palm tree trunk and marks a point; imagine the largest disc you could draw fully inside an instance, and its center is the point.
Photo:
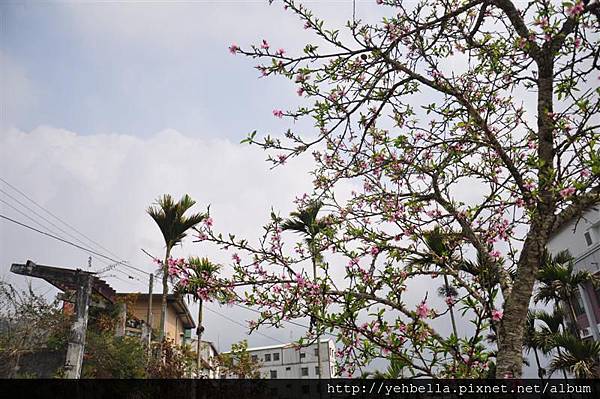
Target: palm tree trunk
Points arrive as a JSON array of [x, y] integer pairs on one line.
[[574, 318], [165, 293], [451, 307], [562, 323], [314, 262], [539, 365]]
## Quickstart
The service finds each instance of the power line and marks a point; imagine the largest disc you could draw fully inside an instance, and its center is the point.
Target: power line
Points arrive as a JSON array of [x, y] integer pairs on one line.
[[57, 218], [240, 324], [285, 321], [119, 263], [42, 217], [72, 244], [41, 225]]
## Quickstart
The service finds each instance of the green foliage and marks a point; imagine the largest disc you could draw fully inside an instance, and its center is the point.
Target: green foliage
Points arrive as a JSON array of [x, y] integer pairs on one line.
[[580, 358], [171, 361], [28, 323], [107, 356], [171, 220], [238, 362]]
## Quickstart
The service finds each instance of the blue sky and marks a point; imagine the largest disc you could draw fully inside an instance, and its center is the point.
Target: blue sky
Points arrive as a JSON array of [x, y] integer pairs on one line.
[[138, 68]]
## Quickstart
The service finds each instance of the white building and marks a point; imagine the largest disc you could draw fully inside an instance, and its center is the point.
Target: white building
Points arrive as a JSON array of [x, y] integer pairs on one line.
[[581, 236], [208, 358], [291, 361]]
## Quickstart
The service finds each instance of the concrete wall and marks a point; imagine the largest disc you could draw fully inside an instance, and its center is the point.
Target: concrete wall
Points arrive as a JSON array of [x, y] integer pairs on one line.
[[173, 325]]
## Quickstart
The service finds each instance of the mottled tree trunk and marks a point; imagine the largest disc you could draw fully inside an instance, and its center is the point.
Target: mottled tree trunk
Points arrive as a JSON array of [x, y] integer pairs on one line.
[[512, 328]]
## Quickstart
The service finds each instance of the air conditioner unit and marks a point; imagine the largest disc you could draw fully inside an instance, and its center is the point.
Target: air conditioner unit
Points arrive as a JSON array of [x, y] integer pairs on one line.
[[586, 332]]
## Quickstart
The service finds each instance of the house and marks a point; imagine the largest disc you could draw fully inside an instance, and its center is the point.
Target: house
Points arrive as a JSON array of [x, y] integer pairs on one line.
[[208, 358], [581, 237], [178, 321], [293, 361]]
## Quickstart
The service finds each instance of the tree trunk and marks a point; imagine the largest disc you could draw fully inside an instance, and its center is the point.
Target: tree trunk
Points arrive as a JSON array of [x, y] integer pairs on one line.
[[539, 365], [450, 307], [516, 304], [512, 326], [314, 262], [575, 325], [165, 293]]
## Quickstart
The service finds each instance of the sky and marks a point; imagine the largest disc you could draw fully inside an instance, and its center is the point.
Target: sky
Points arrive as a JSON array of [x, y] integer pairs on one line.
[[105, 106]]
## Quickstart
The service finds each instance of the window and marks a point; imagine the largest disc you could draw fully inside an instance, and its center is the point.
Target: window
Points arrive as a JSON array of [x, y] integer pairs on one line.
[[275, 357], [273, 374], [288, 369], [267, 357], [302, 355], [317, 371], [588, 238], [254, 358], [316, 351], [304, 371]]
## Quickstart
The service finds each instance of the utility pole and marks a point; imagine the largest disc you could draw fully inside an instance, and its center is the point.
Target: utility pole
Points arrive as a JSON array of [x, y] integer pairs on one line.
[[82, 283], [149, 316], [76, 346]]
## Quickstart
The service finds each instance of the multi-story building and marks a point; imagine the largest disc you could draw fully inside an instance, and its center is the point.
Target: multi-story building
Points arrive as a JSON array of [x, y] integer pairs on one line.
[[581, 236], [292, 361], [209, 367], [178, 322]]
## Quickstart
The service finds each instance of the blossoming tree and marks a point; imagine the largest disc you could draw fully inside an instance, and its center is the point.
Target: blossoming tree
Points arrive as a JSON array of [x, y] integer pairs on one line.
[[476, 119]]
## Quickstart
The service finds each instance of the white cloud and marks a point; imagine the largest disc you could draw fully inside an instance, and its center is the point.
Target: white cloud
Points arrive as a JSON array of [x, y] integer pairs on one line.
[[102, 185]]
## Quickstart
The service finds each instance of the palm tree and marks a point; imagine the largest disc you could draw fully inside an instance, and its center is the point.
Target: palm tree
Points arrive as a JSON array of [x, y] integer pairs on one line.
[[201, 270], [439, 255], [173, 224], [579, 357], [306, 223], [394, 370], [531, 342], [560, 283], [551, 327]]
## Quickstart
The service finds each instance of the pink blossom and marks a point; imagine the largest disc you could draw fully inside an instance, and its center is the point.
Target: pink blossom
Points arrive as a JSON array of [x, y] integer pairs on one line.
[[450, 300], [497, 315], [300, 91], [300, 280], [278, 113], [208, 222], [423, 310], [264, 45], [280, 52], [585, 173], [379, 2], [567, 192], [236, 258], [495, 254], [202, 237], [234, 48], [374, 250], [575, 9]]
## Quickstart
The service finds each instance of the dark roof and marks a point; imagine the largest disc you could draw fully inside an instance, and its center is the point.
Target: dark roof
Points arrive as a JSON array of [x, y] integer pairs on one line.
[[64, 279]]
